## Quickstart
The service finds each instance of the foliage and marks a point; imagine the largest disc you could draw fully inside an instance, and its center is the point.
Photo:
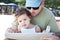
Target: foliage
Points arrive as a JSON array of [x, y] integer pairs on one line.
[[48, 3], [7, 1], [22, 2], [52, 3]]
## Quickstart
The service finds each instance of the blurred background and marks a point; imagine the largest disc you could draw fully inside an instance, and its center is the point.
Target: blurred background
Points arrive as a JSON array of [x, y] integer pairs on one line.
[[53, 5]]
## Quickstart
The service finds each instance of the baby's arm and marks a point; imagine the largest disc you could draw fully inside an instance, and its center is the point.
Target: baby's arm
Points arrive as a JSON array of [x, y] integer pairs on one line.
[[37, 29]]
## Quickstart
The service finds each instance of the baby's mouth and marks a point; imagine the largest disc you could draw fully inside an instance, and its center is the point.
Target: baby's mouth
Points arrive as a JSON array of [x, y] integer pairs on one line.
[[24, 25]]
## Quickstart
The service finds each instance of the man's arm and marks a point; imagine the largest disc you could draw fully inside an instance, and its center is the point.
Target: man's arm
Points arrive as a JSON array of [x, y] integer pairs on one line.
[[52, 23]]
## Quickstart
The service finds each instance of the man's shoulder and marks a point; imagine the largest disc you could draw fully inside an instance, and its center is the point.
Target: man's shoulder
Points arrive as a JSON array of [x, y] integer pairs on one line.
[[47, 11]]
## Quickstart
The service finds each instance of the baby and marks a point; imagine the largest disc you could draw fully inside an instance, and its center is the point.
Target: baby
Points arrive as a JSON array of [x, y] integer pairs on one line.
[[23, 17]]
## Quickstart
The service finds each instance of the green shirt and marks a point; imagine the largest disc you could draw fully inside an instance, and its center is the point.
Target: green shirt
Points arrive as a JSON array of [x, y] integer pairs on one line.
[[44, 18]]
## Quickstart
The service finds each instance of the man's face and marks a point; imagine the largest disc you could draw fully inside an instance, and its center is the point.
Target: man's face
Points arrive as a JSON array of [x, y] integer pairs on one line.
[[23, 20], [34, 10]]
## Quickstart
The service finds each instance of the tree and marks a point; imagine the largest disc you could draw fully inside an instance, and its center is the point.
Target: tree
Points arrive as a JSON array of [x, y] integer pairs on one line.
[[21, 2], [48, 3], [52, 3], [8, 1]]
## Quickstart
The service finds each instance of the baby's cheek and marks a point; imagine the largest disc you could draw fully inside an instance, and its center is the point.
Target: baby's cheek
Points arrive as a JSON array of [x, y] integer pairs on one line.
[[27, 22]]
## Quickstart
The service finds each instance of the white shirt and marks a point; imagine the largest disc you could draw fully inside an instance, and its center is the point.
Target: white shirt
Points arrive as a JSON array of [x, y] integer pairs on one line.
[[24, 30]]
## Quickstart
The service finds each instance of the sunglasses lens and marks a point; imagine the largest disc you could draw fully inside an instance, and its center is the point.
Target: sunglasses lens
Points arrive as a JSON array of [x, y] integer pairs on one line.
[[28, 7], [35, 8]]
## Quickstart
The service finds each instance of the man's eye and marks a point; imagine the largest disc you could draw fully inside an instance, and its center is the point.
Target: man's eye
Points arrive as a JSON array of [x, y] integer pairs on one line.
[[24, 19]]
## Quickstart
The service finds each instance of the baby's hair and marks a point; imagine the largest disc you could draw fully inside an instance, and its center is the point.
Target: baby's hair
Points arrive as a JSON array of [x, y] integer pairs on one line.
[[22, 11]]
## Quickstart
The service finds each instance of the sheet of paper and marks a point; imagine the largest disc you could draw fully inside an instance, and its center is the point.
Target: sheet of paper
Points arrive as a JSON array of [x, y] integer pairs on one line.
[[5, 22]]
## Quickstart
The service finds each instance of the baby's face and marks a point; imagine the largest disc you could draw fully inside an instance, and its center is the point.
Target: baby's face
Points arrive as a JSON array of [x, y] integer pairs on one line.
[[23, 20]]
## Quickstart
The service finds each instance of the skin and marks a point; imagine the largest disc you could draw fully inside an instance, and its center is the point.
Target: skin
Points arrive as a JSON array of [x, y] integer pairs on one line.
[[24, 20]]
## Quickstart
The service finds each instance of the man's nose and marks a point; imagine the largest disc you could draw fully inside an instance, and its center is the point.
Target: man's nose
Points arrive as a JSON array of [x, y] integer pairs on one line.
[[31, 10], [23, 22]]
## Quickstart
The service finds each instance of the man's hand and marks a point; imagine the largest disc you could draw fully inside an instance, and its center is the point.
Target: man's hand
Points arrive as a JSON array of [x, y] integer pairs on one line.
[[9, 39], [45, 37]]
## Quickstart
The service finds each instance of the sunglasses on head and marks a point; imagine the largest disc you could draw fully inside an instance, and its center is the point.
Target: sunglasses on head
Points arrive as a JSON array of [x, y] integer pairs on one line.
[[35, 8]]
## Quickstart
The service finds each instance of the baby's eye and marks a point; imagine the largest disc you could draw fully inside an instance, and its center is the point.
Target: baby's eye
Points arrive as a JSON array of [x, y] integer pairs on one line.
[[24, 19], [20, 21]]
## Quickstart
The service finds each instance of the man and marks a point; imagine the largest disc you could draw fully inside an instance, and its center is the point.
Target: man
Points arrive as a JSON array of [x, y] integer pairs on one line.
[[42, 16]]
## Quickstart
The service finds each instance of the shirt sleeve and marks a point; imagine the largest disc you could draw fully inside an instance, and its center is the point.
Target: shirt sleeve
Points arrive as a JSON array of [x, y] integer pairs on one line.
[[52, 23]]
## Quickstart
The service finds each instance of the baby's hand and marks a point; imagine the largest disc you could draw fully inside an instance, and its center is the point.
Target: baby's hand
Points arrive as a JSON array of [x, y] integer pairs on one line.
[[10, 30], [19, 29]]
